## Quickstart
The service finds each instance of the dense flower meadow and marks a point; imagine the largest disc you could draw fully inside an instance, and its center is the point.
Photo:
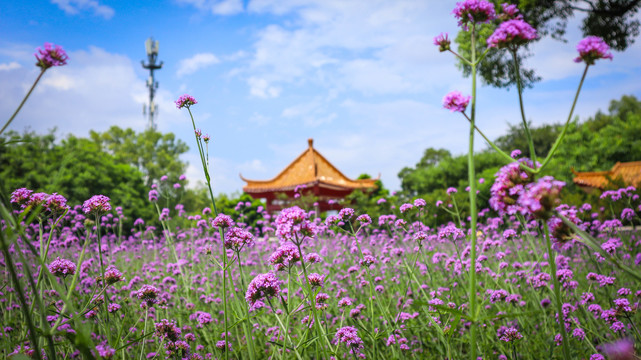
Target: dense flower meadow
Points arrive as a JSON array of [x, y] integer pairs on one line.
[[529, 278], [387, 287]]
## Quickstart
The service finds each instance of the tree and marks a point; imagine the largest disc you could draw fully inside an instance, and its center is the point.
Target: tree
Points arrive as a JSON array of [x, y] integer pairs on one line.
[[154, 154], [612, 20], [76, 168]]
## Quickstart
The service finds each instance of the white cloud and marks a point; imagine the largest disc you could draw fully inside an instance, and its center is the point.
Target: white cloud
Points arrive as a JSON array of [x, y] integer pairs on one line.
[[195, 63], [259, 87], [217, 7], [96, 90], [74, 7], [9, 66], [59, 81]]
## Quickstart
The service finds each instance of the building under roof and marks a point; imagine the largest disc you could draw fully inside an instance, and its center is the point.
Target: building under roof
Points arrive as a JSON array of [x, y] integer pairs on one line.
[[311, 171], [628, 172]]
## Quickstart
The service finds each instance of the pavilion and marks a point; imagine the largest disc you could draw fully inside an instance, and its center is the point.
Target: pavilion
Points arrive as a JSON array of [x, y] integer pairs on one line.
[[628, 172], [312, 172]]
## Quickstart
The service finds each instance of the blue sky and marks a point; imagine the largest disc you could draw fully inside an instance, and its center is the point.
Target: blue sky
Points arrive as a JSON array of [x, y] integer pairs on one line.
[[361, 77]]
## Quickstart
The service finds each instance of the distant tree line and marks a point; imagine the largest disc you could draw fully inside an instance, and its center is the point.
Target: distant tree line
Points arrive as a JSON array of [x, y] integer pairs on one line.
[[595, 144]]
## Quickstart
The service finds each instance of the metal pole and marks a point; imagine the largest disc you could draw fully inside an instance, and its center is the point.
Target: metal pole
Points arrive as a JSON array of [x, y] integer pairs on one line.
[[151, 47]]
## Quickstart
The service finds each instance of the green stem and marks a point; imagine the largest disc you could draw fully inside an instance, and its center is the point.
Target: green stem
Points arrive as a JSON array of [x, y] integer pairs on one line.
[[519, 86], [23, 301], [473, 214], [142, 341], [559, 139], [102, 265], [507, 157], [312, 299], [557, 291], [282, 327], [23, 101], [220, 230]]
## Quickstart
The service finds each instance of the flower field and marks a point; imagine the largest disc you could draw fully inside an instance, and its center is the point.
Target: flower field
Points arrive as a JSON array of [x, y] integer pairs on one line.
[[529, 277], [305, 288]]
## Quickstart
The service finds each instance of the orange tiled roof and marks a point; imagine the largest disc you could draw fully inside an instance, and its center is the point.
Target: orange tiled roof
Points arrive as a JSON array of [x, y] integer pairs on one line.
[[308, 168], [630, 172]]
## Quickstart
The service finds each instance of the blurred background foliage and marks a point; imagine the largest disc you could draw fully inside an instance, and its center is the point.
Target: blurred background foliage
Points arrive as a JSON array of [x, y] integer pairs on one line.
[[123, 164]]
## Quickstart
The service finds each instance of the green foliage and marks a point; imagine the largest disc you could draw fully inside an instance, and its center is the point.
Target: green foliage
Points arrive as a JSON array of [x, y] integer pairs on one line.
[[612, 20], [154, 154], [367, 202], [595, 144], [75, 168]]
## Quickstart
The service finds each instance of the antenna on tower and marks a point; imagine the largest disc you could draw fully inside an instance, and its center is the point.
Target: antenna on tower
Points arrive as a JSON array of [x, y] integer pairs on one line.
[[151, 47]]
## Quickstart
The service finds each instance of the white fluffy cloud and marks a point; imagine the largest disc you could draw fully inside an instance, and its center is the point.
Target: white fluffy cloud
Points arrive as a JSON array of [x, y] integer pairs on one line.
[[9, 66], [217, 7], [97, 89], [261, 88], [195, 63], [73, 7]]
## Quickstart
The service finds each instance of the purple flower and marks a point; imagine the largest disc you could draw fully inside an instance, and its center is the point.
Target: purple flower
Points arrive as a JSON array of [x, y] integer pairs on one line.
[[346, 213], [285, 256], [442, 42], [451, 190], [367, 260], [592, 48], [97, 204], [166, 329], [263, 286], [321, 301], [105, 352], [203, 318], [237, 238], [113, 275], [455, 101], [37, 199], [51, 55], [509, 334], [364, 219], [316, 280], [56, 204], [508, 186], [541, 197], [62, 267], [510, 11], [185, 101], [223, 221], [153, 195], [148, 294], [293, 224], [511, 33], [349, 336], [451, 232], [474, 11], [21, 196], [620, 350], [405, 207]]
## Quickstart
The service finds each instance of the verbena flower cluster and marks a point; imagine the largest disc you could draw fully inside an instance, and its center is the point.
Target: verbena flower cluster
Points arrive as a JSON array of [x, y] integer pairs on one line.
[[592, 48], [511, 34], [474, 11], [50, 55], [455, 101], [97, 205], [185, 101]]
